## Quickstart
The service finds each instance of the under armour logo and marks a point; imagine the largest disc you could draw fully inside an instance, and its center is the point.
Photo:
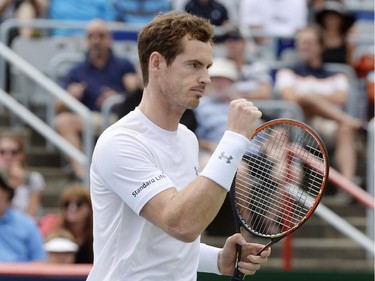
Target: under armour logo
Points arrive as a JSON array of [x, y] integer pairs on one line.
[[225, 157]]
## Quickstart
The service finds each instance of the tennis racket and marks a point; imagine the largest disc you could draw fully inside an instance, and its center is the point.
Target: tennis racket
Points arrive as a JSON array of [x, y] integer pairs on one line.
[[279, 182]]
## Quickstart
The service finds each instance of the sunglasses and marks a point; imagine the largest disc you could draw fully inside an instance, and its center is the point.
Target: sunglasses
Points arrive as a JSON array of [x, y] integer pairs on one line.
[[11, 152], [77, 203]]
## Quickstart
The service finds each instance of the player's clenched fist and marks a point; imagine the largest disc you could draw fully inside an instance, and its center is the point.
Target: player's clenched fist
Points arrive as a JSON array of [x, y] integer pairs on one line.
[[243, 117]]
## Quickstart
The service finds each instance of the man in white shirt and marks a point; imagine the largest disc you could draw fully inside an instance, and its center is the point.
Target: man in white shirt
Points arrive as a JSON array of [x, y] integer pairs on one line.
[[276, 18], [150, 201], [322, 95]]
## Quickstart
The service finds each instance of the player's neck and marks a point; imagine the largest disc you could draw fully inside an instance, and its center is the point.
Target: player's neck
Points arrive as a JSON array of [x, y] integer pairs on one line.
[[159, 112]]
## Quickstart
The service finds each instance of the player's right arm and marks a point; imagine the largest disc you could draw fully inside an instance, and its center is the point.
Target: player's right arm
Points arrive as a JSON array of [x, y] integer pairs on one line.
[[185, 214]]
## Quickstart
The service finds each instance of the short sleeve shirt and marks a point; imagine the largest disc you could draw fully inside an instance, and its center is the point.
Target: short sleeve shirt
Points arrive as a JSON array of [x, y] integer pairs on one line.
[[132, 162]]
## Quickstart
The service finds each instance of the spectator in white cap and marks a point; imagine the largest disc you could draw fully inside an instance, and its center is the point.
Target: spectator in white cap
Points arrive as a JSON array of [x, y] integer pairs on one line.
[[61, 247], [212, 118], [212, 112]]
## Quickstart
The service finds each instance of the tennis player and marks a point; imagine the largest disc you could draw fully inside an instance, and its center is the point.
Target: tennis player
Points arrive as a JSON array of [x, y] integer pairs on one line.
[[150, 200]]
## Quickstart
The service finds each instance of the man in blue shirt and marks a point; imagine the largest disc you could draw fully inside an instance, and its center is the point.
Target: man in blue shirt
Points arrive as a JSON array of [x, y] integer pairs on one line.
[[139, 12], [100, 76], [20, 238], [78, 10]]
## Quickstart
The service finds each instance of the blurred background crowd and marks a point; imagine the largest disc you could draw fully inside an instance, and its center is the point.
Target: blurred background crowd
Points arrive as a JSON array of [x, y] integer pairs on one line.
[[311, 60]]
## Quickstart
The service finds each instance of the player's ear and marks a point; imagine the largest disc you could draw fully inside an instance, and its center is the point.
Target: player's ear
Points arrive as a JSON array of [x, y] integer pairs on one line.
[[156, 59]]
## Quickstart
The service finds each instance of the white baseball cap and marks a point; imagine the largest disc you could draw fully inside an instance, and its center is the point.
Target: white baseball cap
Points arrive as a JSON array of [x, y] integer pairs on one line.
[[60, 245], [223, 67]]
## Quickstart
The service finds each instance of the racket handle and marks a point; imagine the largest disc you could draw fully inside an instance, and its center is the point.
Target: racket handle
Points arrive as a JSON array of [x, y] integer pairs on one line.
[[237, 275], [261, 250], [269, 244]]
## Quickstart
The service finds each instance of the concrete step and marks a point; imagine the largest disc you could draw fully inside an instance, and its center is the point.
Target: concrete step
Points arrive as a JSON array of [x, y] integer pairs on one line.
[[41, 157], [347, 206], [329, 265], [56, 180], [317, 227], [4, 117]]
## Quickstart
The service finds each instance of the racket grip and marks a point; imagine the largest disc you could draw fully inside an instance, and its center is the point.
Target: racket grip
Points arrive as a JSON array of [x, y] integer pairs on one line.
[[237, 275], [261, 250], [269, 244]]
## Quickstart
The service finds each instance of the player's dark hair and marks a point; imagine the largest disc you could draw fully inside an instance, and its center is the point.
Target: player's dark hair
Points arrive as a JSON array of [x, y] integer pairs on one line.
[[164, 35]]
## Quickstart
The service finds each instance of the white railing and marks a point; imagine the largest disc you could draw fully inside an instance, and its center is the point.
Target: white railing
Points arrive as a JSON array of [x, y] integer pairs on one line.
[[53, 89], [346, 228], [6, 54]]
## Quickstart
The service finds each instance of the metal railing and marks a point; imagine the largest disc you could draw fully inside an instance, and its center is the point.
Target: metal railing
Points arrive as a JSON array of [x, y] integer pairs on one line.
[[55, 90], [6, 54]]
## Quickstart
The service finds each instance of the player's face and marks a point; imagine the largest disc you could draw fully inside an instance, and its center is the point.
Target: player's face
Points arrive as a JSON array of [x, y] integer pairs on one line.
[[185, 81]]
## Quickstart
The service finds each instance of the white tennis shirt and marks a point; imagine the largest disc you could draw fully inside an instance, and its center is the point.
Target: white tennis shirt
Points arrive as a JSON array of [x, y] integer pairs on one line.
[[133, 161]]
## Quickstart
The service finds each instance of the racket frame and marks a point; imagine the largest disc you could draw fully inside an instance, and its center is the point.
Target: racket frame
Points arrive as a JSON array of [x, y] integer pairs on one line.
[[239, 223]]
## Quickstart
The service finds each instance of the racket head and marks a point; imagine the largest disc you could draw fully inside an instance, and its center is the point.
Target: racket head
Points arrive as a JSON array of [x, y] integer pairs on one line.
[[280, 180]]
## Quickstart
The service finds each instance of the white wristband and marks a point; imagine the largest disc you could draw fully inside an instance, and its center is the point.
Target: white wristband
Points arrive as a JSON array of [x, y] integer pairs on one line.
[[208, 259], [224, 162]]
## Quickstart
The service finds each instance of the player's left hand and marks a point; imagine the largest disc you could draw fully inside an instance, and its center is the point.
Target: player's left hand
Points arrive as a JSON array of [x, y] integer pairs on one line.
[[249, 263]]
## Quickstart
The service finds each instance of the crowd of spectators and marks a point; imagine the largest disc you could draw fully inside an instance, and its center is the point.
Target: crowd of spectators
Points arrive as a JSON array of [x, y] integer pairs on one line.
[[319, 31]]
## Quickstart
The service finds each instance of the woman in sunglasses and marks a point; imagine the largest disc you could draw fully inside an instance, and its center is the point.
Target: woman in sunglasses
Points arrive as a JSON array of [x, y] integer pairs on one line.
[[75, 216], [28, 185]]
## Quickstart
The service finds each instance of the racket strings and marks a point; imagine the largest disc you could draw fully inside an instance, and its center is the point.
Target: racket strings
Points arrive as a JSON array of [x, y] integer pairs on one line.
[[272, 194], [315, 179], [271, 207]]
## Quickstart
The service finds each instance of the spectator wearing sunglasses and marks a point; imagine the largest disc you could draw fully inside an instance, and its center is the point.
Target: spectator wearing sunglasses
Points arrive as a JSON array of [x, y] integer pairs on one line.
[[28, 185], [20, 239], [75, 216]]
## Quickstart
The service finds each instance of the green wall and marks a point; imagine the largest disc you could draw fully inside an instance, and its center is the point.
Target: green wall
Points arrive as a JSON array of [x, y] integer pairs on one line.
[[296, 276]]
